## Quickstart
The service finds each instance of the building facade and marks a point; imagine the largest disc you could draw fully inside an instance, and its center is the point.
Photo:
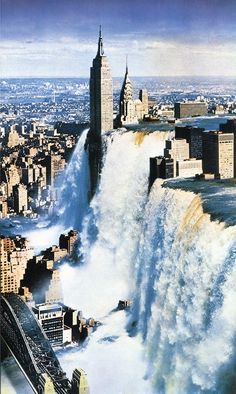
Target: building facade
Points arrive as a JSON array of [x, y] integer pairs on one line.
[[67, 241], [101, 112], [141, 105], [193, 135], [218, 154], [160, 167], [14, 255], [51, 318], [176, 149], [188, 168], [230, 127], [101, 96], [20, 196], [188, 109]]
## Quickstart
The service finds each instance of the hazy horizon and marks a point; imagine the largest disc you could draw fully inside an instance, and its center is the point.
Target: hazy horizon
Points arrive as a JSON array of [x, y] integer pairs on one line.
[[116, 76]]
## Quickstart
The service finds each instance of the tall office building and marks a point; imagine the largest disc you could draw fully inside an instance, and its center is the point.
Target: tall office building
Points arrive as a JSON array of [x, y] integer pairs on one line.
[[101, 111], [101, 99], [127, 114], [218, 154], [20, 195]]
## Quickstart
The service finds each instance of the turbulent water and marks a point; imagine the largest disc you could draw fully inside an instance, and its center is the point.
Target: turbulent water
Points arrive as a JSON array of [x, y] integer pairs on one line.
[[178, 267], [73, 187], [165, 254], [186, 275]]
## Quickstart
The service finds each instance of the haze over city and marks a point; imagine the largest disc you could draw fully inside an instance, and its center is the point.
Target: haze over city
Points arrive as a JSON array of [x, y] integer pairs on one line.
[[58, 38]]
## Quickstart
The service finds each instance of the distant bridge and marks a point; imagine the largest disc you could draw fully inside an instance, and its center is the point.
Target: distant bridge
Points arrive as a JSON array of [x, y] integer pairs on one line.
[[32, 350]]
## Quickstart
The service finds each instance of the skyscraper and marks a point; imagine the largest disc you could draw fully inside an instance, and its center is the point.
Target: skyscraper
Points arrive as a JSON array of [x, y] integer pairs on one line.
[[101, 111], [101, 100], [127, 113]]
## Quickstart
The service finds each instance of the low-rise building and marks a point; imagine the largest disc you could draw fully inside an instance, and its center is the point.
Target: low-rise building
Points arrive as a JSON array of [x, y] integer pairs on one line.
[[188, 109], [176, 149], [188, 168], [160, 167]]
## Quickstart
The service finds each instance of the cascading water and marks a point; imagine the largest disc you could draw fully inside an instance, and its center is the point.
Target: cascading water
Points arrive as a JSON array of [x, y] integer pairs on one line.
[[73, 187], [72, 205], [185, 292], [178, 267]]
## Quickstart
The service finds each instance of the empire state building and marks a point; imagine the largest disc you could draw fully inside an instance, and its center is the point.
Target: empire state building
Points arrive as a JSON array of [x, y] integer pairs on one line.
[[101, 100], [101, 111]]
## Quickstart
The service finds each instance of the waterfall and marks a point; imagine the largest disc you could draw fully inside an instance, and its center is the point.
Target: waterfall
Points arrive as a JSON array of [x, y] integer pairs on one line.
[[185, 292], [73, 187], [178, 267], [72, 205]]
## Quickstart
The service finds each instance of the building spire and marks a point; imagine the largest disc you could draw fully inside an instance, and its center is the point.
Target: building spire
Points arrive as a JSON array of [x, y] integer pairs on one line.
[[100, 43], [126, 69]]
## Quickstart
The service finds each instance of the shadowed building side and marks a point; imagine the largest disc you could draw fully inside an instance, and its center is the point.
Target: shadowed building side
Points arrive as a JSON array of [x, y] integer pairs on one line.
[[101, 111], [79, 382]]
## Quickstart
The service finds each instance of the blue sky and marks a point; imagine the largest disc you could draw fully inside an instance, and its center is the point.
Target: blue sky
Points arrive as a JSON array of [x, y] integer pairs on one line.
[[171, 37]]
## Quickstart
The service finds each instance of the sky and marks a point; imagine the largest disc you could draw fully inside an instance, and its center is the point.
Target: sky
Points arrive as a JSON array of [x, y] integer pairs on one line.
[[161, 37]]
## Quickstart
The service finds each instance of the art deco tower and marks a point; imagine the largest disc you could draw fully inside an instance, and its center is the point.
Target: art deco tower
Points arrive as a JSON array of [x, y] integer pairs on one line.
[[127, 107], [101, 100], [101, 111]]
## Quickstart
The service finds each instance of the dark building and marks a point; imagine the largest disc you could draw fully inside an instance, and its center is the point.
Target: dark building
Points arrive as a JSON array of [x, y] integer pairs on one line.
[[160, 167], [218, 154], [20, 196], [71, 320], [79, 383], [67, 241], [185, 110], [193, 135], [42, 280], [229, 126]]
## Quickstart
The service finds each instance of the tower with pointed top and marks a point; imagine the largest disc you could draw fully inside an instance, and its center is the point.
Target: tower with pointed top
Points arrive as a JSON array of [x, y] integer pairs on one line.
[[127, 113], [101, 98], [101, 111]]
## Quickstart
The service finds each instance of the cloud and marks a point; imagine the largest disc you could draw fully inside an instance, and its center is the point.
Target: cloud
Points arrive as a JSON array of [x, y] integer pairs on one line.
[[70, 56], [159, 45]]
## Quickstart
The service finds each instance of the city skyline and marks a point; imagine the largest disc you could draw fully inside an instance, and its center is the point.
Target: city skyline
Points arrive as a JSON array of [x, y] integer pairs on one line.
[[174, 38]]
